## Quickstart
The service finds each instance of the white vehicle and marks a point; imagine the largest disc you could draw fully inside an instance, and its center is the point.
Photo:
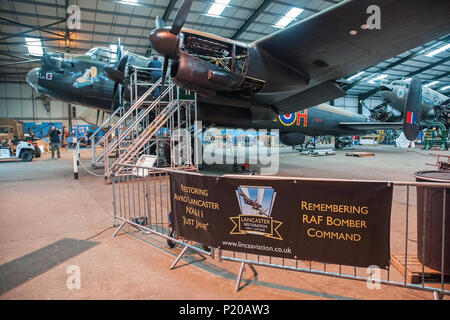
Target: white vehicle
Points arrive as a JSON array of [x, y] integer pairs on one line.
[[23, 150]]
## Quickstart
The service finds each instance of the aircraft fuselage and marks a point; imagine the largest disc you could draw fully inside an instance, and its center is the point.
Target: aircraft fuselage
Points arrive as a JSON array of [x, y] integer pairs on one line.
[[396, 92]]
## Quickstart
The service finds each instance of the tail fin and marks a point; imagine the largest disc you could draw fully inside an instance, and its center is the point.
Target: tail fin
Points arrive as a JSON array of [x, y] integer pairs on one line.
[[413, 109]]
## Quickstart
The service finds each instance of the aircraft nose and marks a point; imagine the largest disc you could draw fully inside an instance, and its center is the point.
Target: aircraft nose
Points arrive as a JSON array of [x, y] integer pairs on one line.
[[385, 88], [33, 77]]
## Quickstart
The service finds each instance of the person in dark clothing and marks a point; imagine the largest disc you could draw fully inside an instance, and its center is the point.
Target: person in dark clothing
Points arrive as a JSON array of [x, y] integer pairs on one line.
[[88, 136], [54, 141], [156, 74]]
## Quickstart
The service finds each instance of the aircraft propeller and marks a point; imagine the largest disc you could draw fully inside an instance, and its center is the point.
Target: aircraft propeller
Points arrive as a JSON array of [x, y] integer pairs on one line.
[[116, 72], [166, 42]]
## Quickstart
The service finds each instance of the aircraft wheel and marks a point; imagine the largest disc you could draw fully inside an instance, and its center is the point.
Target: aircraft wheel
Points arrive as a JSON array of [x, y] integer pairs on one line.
[[167, 155], [26, 155], [171, 243]]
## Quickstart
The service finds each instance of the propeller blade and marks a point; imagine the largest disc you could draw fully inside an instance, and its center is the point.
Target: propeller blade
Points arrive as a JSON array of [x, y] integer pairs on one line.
[[118, 50], [164, 72], [181, 16], [116, 70], [114, 96], [120, 94], [159, 22], [122, 63], [96, 121]]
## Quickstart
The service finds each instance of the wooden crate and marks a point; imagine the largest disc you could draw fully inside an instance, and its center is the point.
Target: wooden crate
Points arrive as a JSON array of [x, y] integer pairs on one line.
[[414, 269], [360, 154]]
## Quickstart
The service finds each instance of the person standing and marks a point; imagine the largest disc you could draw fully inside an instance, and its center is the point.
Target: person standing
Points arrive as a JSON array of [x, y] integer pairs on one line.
[[54, 141], [156, 74], [88, 136]]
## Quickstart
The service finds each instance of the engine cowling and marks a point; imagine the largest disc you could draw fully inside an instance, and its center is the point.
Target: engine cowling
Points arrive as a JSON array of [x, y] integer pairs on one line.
[[202, 77], [292, 138]]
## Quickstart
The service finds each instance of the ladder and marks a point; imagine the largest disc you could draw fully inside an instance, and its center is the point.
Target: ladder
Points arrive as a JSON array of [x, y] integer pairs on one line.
[[148, 126]]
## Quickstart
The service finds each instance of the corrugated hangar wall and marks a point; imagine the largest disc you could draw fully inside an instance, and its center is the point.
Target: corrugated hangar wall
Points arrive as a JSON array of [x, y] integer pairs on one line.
[[18, 101]]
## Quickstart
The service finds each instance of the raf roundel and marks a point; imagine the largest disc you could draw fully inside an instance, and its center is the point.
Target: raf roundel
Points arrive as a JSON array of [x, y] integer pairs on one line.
[[288, 119]]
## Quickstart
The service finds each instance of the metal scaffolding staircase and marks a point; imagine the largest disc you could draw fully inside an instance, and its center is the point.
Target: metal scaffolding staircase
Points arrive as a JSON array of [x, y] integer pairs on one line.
[[149, 126]]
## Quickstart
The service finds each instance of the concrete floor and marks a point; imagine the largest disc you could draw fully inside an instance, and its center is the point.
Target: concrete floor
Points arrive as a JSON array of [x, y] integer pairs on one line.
[[41, 203]]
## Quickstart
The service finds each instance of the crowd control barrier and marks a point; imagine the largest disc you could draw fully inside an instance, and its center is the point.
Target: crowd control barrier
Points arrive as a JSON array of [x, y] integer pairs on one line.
[[352, 229]]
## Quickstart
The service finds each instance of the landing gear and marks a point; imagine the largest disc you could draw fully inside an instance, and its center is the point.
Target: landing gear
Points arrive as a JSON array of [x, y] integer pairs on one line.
[[173, 234], [342, 142], [244, 167]]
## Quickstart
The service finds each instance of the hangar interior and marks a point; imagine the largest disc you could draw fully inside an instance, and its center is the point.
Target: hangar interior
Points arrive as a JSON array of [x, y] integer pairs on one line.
[[103, 22], [82, 208]]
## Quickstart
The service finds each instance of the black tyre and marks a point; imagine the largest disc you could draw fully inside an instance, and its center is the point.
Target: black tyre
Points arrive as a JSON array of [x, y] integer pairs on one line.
[[26, 155], [167, 154], [37, 152], [171, 243]]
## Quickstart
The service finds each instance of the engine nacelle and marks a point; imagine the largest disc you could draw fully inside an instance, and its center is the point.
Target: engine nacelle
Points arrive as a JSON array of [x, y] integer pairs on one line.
[[292, 138], [202, 77]]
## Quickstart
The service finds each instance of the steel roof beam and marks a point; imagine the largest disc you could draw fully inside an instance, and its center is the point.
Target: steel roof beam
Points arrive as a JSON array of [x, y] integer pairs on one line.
[[400, 61], [169, 9], [367, 94], [108, 24], [32, 29], [251, 19]]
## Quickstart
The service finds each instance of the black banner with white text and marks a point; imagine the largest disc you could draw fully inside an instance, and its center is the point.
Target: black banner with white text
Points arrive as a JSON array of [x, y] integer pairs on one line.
[[326, 221]]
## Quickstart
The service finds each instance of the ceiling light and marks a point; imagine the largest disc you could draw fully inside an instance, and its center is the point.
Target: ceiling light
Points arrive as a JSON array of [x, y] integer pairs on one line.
[[355, 76], [439, 50], [288, 17], [218, 7], [445, 88], [132, 2], [431, 83], [34, 46]]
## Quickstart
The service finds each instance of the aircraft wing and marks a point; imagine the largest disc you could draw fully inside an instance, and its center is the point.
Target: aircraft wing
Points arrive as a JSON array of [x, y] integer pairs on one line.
[[372, 125], [322, 47]]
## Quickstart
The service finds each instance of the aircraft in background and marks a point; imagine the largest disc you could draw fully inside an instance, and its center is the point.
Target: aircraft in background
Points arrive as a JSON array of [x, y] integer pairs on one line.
[[434, 106], [276, 77]]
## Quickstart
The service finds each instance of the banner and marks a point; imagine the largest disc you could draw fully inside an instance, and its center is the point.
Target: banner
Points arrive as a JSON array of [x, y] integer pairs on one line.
[[331, 222]]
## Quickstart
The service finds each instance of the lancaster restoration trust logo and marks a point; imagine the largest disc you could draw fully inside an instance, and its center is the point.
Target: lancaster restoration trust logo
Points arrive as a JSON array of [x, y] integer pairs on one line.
[[256, 205]]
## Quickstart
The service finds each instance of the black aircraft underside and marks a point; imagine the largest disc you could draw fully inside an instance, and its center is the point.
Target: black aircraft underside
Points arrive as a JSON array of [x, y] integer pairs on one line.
[[315, 121]]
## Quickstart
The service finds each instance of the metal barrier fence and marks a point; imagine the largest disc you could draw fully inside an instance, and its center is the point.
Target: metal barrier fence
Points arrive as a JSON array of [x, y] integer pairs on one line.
[[142, 200]]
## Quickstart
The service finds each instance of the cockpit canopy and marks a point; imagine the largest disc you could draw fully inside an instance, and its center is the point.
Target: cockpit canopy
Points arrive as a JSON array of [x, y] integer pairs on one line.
[[102, 54], [401, 83]]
